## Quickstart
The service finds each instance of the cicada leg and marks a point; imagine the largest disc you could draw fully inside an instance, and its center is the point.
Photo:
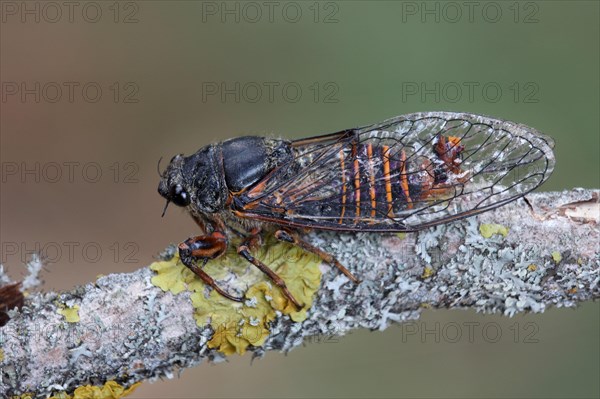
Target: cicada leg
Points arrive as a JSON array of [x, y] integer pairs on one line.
[[204, 248], [293, 238], [244, 251]]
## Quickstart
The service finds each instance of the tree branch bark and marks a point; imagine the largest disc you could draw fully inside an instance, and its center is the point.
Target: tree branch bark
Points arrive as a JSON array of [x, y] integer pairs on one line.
[[129, 330]]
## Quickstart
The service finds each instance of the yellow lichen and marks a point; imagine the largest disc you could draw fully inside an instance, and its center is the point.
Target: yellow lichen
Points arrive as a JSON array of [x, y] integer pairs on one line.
[[1, 354], [401, 236], [171, 275], [427, 272], [489, 229], [239, 325], [71, 314], [557, 256], [532, 267], [110, 390]]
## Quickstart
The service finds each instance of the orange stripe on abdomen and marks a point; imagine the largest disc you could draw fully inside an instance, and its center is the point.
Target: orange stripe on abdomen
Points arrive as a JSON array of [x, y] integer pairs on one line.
[[343, 167], [356, 166], [404, 180], [384, 176], [389, 198]]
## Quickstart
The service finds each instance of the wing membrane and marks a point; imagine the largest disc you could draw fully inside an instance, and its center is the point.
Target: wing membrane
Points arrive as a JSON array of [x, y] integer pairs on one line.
[[397, 176]]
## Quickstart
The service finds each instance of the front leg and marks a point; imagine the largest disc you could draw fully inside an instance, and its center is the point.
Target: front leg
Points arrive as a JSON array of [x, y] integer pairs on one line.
[[204, 248]]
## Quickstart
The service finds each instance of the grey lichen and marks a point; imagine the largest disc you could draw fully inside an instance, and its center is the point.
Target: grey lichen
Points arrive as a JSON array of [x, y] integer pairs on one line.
[[129, 330], [34, 268]]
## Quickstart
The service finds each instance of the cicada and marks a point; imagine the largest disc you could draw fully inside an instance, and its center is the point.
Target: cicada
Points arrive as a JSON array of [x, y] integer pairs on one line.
[[405, 174]]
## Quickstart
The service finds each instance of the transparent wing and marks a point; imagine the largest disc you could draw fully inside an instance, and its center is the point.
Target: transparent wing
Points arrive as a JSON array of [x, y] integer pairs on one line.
[[403, 174]]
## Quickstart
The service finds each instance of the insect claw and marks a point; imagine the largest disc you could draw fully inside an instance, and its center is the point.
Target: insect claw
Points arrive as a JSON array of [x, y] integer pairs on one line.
[[291, 298], [226, 295], [297, 304]]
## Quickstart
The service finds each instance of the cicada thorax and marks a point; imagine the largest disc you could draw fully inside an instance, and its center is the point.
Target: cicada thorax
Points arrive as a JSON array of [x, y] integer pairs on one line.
[[246, 160], [218, 172]]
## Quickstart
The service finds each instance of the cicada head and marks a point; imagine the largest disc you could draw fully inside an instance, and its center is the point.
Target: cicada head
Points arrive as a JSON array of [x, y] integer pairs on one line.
[[173, 186], [194, 182]]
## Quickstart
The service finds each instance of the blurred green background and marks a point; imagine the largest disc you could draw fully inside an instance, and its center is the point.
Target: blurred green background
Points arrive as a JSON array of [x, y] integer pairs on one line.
[[120, 84]]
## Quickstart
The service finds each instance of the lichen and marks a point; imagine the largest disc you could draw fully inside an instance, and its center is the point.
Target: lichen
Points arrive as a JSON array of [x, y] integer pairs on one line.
[[237, 325], [171, 275], [427, 272], [110, 390], [487, 230], [557, 257], [71, 313]]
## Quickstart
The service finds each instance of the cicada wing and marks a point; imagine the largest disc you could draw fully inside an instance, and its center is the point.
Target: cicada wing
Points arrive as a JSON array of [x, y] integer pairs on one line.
[[403, 174]]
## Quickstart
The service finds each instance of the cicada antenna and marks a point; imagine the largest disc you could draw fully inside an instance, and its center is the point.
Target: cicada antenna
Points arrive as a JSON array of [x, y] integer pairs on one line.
[[158, 167]]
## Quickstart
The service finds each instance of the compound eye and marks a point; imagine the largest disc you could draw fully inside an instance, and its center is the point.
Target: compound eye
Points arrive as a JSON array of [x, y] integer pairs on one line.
[[179, 196]]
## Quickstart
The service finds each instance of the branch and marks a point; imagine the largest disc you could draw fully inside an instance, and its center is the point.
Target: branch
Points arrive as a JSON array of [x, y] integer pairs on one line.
[[127, 330]]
